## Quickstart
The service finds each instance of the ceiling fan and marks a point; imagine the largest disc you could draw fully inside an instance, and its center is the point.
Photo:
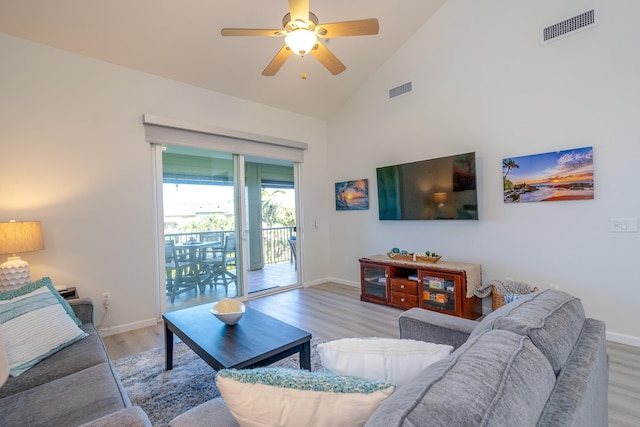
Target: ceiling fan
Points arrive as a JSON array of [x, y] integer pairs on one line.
[[301, 31]]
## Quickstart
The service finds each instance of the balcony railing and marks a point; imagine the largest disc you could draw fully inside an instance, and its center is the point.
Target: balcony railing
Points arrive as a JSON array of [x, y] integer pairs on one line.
[[275, 241]]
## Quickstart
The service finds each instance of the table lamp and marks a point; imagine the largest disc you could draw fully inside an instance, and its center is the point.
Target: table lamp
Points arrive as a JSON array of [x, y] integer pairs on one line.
[[440, 199], [17, 237]]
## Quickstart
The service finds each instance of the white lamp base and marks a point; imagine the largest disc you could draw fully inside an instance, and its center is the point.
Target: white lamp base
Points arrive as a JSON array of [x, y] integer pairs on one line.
[[14, 273]]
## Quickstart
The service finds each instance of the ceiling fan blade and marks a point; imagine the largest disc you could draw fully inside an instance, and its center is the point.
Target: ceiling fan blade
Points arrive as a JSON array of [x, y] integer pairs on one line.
[[299, 9], [362, 27], [251, 32], [277, 61], [328, 59]]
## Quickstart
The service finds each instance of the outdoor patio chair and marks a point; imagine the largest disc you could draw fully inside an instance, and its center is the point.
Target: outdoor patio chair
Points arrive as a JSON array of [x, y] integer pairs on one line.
[[182, 273], [223, 266], [294, 251]]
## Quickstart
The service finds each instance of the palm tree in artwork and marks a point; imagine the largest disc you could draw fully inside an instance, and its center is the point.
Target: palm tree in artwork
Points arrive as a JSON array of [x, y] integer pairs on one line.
[[509, 164]]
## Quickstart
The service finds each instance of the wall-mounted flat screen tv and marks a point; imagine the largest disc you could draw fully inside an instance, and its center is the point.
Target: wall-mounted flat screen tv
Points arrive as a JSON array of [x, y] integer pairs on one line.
[[434, 189]]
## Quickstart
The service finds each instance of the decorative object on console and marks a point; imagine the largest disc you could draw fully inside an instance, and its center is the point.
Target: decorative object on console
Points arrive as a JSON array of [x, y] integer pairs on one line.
[[403, 255], [548, 177], [18, 237]]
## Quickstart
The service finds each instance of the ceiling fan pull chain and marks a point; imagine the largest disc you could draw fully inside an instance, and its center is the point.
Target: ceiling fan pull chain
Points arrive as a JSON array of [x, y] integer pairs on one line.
[[303, 74]]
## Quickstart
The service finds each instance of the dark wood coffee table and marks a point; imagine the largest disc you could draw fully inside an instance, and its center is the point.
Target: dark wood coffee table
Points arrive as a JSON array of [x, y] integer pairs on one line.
[[257, 339]]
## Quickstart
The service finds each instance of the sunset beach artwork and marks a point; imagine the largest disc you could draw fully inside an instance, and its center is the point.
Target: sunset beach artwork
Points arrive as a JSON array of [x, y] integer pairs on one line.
[[352, 195], [548, 177]]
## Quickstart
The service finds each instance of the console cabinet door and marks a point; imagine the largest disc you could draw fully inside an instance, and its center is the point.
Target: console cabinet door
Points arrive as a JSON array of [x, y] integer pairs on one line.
[[440, 291], [374, 282]]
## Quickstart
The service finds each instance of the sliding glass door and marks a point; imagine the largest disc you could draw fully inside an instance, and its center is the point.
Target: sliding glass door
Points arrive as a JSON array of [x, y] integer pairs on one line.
[[229, 225], [270, 199], [201, 230]]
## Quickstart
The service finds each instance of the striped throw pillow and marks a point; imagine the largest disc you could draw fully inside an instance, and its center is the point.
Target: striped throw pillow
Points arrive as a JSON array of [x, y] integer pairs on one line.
[[35, 324]]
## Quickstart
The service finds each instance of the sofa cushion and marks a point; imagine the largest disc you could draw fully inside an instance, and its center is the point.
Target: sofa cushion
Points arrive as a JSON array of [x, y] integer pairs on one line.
[[68, 401], [293, 397], [213, 413], [580, 395], [552, 319], [129, 417], [74, 358], [383, 359], [36, 324], [493, 377]]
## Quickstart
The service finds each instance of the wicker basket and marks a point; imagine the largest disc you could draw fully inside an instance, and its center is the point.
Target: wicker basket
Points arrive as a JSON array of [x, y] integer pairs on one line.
[[497, 298]]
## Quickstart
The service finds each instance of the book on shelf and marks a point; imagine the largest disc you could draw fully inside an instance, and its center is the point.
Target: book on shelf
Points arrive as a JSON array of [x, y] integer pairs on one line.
[[434, 282]]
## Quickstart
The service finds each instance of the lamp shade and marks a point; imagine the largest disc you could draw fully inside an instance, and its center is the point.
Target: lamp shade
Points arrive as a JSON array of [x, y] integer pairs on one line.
[[440, 198], [20, 236]]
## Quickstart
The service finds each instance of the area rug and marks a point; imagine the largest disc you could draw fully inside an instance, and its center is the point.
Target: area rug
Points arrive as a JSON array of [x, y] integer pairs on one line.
[[163, 395]]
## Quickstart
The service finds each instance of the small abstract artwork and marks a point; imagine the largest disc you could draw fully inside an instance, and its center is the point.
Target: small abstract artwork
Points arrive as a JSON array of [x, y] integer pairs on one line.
[[549, 177], [352, 195]]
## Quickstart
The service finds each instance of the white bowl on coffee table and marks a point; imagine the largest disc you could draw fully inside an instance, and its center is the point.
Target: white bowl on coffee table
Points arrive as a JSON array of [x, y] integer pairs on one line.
[[228, 310]]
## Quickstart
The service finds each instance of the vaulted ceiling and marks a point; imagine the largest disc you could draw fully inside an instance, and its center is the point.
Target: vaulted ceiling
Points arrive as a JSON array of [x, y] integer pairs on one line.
[[181, 40]]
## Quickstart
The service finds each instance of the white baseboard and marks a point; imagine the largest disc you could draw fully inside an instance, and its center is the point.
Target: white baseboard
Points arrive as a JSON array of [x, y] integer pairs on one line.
[[126, 327], [623, 339], [313, 283], [343, 282]]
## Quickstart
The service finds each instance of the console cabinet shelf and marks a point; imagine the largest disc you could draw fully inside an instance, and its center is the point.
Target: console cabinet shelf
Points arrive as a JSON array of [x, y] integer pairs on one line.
[[438, 287]]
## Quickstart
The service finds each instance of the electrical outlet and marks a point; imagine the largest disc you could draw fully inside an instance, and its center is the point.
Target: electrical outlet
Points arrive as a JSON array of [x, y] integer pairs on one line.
[[106, 300]]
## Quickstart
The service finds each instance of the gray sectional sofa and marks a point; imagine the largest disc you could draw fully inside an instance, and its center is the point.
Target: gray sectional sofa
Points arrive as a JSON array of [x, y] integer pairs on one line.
[[537, 361], [75, 386]]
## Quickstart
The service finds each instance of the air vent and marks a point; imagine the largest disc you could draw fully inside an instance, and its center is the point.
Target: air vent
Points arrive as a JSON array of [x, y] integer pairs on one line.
[[569, 26], [400, 90]]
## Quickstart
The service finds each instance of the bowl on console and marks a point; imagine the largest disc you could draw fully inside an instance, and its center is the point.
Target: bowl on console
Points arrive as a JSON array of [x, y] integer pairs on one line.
[[228, 310]]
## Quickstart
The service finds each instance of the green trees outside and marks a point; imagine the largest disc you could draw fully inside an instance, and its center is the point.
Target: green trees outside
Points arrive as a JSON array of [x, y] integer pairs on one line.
[[214, 222], [274, 214]]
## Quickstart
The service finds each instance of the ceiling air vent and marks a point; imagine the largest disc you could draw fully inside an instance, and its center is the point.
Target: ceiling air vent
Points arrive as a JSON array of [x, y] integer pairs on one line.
[[400, 90], [569, 26]]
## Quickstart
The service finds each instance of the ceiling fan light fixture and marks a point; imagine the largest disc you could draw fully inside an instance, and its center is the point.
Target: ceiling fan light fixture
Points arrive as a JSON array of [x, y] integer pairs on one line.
[[301, 41]]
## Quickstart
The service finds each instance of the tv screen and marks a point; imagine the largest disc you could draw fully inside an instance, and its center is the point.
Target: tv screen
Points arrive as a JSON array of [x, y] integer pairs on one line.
[[435, 189]]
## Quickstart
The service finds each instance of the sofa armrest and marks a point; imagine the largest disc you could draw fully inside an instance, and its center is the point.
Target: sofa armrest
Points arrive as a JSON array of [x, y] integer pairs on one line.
[[430, 326], [128, 417], [83, 308]]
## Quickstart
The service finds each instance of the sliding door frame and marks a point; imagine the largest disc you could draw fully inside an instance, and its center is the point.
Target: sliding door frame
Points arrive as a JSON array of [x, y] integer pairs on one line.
[[160, 131]]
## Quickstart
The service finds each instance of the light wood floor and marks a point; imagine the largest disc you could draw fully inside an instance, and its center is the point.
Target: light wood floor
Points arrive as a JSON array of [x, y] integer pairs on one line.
[[331, 311]]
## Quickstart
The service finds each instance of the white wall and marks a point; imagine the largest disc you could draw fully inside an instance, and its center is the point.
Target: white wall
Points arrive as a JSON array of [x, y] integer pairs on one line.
[[483, 83], [72, 155]]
